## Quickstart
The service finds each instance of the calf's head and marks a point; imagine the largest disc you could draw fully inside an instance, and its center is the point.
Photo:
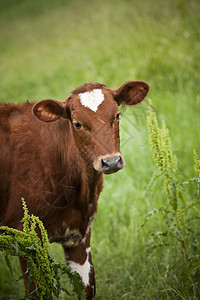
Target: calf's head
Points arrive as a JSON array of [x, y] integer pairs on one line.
[[93, 111]]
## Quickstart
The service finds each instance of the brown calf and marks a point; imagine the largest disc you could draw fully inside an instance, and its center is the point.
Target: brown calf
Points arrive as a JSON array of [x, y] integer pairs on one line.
[[54, 155]]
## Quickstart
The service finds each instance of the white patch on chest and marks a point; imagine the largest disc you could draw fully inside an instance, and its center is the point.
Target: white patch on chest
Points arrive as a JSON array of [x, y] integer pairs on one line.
[[92, 99], [83, 270]]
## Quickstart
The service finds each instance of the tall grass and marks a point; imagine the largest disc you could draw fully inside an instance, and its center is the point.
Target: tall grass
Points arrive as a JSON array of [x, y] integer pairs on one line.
[[47, 49]]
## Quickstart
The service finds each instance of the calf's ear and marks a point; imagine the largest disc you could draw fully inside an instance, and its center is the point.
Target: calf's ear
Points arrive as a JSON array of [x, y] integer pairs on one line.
[[131, 93], [50, 110]]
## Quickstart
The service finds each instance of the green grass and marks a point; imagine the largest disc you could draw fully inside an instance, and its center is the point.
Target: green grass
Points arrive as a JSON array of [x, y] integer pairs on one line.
[[47, 48]]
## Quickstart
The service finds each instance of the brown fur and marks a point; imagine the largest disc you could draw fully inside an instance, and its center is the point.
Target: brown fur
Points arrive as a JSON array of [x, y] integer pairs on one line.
[[52, 165], [87, 87]]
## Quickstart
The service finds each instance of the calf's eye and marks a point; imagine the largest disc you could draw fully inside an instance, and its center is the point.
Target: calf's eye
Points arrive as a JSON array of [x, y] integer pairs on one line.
[[117, 116], [77, 125]]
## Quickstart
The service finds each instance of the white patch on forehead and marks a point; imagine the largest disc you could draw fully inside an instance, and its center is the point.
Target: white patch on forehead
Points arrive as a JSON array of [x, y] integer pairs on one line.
[[92, 99], [83, 270]]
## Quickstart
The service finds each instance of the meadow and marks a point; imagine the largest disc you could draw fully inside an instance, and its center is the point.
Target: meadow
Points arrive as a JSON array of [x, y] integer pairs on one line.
[[48, 48]]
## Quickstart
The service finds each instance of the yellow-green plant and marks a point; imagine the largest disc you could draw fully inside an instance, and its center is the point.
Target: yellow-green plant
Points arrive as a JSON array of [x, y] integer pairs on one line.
[[166, 162], [41, 268], [162, 153], [181, 211], [196, 162]]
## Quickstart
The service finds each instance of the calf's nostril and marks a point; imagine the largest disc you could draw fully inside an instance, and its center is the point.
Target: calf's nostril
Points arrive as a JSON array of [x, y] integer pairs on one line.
[[104, 164], [119, 162]]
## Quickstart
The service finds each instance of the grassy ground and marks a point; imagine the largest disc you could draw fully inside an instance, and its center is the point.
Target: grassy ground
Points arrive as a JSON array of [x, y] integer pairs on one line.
[[47, 49]]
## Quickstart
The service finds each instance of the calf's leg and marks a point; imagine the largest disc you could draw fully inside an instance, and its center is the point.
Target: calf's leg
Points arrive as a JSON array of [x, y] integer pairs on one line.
[[23, 265], [80, 260]]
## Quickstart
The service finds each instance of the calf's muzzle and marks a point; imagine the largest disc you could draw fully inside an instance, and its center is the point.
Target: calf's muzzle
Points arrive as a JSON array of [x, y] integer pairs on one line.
[[109, 163]]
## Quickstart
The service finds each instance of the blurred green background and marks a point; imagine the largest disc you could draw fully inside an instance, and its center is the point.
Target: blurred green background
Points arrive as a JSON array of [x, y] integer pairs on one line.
[[48, 48]]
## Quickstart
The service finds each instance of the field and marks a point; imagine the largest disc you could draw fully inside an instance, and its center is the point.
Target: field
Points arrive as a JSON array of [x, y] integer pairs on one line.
[[48, 48]]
